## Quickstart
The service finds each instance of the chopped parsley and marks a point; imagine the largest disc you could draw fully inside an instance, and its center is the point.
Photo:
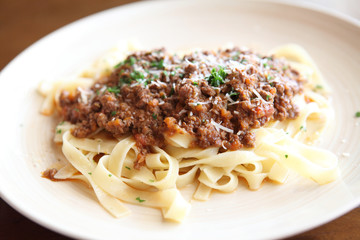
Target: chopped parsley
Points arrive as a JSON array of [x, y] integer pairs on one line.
[[265, 65], [58, 131], [109, 175], [285, 67], [136, 75], [166, 73], [163, 96], [113, 113], [139, 199], [89, 173], [267, 97], [303, 128], [61, 123], [127, 168], [151, 180], [243, 61], [286, 156], [195, 83], [357, 114], [154, 116], [76, 110], [118, 65], [233, 93], [158, 65], [124, 80], [115, 90], [172, 73], [269, 77], [131, 61], [318, 86], [98, 92], [217, 78], [172, 91]]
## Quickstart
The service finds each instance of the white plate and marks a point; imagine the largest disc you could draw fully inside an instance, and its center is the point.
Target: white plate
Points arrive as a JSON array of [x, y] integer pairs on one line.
[[272, 212]]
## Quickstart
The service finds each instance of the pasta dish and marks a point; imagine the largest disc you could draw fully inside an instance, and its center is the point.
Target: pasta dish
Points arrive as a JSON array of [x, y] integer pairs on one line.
[[140, 125]]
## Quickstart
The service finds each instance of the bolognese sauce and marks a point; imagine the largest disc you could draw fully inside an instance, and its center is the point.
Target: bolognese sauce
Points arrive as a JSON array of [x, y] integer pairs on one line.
[[216, 96]]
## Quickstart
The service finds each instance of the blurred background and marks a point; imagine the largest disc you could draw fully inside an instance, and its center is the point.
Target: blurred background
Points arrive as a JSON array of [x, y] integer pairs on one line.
[[23, 22]]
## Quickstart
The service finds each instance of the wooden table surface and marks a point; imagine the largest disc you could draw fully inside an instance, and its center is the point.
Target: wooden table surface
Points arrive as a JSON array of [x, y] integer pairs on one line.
[[22, 22]]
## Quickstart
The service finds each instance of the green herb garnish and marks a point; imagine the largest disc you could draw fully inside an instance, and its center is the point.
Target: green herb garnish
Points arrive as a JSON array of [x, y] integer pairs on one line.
[[243, 61], [357, 114], [158, 65], [154, 116], [216, 77], [115, 90], [172, 91], [58, 131], [127, 168], [109, 175], [135, 75], [139, 199], [233, 93], [286, 156], [131, 61], [151, 180], [195, 83], [303, 128], [119, 64], [113, 113], [267, 97]]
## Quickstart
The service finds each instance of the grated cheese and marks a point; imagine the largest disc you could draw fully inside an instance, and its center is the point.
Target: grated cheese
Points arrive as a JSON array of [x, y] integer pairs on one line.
[[234, 103], [258, 95], [219, 126]]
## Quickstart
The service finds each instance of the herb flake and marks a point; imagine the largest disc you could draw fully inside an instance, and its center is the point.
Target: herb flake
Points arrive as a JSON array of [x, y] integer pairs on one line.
[[217, 78], [139, 199], [115, 90], [157, 64]]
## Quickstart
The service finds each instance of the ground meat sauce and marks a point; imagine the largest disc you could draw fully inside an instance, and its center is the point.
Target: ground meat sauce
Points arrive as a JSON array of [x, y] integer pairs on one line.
[[217, 97]]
